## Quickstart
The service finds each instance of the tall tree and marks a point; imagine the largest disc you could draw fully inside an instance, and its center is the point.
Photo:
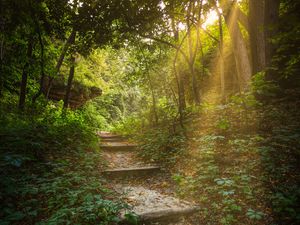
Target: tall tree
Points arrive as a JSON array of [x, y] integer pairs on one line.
[[25, 72], [192, 49], [70, 81], [243, 65], [72, 71], [257, 35], [221, 50], [271, 16]]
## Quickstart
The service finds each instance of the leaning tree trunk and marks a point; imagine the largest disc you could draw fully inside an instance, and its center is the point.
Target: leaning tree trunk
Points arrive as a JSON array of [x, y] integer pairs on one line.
[[23, 86], [60, 60], [256, 34], [239, 48]]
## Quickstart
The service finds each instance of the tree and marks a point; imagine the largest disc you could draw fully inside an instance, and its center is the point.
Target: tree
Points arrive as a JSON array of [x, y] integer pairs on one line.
[[271, 16], [25, 72], [72, 72], [221, 50], [244, 71], [257, 35]]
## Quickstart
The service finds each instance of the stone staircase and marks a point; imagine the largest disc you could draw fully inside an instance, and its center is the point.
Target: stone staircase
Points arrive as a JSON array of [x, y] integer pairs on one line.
[[151, 206]]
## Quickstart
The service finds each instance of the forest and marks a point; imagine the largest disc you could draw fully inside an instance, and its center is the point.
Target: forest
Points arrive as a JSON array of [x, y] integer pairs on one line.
[[206, 93]]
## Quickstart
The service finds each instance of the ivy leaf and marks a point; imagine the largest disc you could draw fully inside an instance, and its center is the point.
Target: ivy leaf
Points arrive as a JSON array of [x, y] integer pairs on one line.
[[131, 218], [256, 215]]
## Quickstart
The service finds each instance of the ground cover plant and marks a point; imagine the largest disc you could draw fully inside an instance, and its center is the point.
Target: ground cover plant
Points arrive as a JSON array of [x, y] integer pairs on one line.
[[209, 90], [50, 166]]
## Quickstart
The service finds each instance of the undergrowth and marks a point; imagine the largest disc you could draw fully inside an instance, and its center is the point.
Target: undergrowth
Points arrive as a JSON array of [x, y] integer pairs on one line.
[[161, 146], [244, 166], [50, 169], [239, 160]]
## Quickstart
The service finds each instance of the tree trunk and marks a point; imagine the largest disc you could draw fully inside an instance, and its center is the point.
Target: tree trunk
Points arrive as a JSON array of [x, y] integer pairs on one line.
[[42, 79], [181, 92], [61, 59], [271, 21], [239, 48], [256, 33], [70, 80], [221, 50], [153, 100], [195, 88], [174, 24], [1, 65], [23, 86], [178, 76]]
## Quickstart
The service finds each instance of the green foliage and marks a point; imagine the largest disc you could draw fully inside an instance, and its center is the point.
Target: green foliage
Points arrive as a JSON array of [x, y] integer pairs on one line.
[[247, 158], [286, 62], [128, 126], [61, 192], [48, 162], [255, 215], [131, 218], [95, 117], [223, 124], [160, 145], [261, 87]]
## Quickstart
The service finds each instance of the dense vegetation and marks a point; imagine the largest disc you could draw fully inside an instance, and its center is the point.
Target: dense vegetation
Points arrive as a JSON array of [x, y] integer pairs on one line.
[[210, 89]]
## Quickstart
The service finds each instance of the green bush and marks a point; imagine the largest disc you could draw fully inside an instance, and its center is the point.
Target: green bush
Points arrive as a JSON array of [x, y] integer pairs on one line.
[[128, 126], [160, 145], [49, 169]]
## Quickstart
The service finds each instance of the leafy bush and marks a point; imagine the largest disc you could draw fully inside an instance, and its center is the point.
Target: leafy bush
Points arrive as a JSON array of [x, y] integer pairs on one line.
[[50, 169], [260, 86], [94, 117], [128, 126], [159, 145]]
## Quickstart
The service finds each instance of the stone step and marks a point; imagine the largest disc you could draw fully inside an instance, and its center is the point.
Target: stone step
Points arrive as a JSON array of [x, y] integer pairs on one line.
[[163, 217], [123, 159], [113, 136], [152, 207], [118, 146], [107, 135], [131, 172], [113, 139]]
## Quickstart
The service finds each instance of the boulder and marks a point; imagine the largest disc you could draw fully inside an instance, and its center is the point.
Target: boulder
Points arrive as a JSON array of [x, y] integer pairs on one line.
[[78, 96]]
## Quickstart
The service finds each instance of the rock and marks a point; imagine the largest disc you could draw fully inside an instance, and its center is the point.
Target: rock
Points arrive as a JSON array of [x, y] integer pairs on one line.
[[152, 206], [78, 96]]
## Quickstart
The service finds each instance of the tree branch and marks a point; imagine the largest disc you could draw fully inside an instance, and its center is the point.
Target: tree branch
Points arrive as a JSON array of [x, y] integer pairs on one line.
[[169, 44]]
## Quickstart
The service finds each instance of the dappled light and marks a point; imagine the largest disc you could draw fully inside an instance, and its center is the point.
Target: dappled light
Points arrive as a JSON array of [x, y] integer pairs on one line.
[[161, 112]]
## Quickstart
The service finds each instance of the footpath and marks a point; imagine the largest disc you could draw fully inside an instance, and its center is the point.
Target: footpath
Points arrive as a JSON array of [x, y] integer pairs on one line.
[[142, 184]]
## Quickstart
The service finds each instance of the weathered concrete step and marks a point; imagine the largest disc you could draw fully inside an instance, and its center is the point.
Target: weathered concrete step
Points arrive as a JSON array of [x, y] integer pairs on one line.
[[113, 139], [131, 172], [118, 146], [123, 159], [105, 135], [153, 207], [162, 217]]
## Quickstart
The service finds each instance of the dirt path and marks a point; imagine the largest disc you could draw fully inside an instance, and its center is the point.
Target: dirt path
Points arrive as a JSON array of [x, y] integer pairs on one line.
[[144, 187]]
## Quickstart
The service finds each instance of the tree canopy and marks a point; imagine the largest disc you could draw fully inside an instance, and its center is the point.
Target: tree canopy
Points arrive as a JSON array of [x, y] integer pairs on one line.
[[209, 89]]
